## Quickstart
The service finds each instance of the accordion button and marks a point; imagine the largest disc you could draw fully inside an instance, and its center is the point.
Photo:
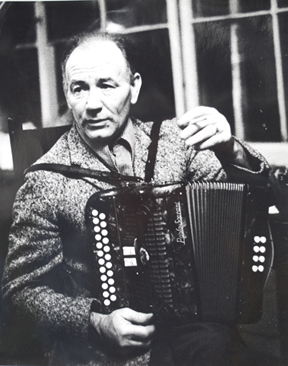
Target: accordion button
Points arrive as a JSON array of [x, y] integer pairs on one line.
[[102, 269], [254, 268], [108, 257], [106, 294], [108, 265], [111, 281], [101, 261], [262, 249], [103, 278], [262, 259], [106, 249], [255, 258], [104, 232], [110, 273], [261, 268], [103, 224], [113, 297], [99, 245], [107, 302], [100, 253], [98, 237], [94, 213], [95, 221], [257, 239], [112, 289], [256, 248], [263, 239], [102, 216], [105, 286], [97, 229], [105, 241]]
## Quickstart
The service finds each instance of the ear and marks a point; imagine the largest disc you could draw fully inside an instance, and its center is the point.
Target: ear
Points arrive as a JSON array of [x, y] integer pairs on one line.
[[135, 87]]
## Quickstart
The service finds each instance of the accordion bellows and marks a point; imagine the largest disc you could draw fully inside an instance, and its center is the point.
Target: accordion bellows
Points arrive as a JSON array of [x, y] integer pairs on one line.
[[186, 252]]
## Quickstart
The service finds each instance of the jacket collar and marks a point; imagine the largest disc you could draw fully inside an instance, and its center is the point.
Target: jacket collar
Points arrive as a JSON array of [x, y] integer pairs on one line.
[[83, 156]]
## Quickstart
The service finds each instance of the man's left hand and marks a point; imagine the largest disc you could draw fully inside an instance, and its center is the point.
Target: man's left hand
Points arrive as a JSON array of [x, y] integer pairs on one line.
[[206, 128]]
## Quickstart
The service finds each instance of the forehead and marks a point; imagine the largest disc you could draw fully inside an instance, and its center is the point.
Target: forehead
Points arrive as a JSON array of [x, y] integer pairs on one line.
[[102, 57]]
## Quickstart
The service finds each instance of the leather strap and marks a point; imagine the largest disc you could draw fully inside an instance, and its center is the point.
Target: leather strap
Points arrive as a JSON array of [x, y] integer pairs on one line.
[[152, 151], [77, 173]]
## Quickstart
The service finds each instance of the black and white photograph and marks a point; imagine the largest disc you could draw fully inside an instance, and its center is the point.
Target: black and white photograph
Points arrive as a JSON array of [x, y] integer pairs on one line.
[[144, 183]]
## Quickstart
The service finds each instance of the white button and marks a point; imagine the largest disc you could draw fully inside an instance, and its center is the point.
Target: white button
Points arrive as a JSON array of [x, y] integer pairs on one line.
[[254, 268], [257, 239], [261, 268], [106, 249], [99, 245], [108, 257], [111, 281], [255, 258], [113, 297], [98, 237], [97, 229], [262, 249], [102, 216], [100, 253], [256, 248], [103, 278], [107, 302], [101, 261], [105, 286], [105, 240], [263, 239], [95, 221], [108, 265], [106, 294], [262, 258], [103, 224], [102, 269], [104, 232], [112, 289], [110, 273], [94, 212]]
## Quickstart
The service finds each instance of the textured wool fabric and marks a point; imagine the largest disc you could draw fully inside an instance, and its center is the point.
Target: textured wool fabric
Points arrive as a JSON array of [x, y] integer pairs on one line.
[[49, 277]]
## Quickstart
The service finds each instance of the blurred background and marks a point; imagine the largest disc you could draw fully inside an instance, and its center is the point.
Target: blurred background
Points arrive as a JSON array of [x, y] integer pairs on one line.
[[227, 54]]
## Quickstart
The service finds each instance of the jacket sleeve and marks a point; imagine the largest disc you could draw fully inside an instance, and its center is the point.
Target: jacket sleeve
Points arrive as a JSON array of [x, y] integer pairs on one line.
[[35, 254]]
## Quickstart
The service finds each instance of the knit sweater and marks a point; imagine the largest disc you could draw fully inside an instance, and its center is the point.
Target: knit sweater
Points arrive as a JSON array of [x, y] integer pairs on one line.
[[48, 275]]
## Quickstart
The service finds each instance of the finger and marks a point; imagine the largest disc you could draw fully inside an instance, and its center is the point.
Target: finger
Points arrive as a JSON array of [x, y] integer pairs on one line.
[[201, 136], [193, 128], [136, 317], [194, 114]]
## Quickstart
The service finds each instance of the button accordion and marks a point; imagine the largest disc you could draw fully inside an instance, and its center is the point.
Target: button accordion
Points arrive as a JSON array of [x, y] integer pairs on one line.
[[186, 252]]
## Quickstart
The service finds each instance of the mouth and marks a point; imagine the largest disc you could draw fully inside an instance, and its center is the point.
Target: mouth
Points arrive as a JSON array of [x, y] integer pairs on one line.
[[96, 123]]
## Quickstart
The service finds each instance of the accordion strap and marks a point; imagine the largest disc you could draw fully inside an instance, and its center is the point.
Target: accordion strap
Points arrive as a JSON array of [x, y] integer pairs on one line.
[[78, 173], [152, 151]]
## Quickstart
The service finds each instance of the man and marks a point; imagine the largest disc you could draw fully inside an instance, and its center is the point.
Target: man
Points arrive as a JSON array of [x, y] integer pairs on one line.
[[48, 277]]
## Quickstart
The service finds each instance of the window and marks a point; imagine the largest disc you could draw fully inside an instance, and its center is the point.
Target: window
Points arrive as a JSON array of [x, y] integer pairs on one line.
[[229, 54]]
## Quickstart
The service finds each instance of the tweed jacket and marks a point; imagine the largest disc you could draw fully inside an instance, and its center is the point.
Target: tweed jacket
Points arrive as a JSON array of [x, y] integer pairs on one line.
[[48, 275]]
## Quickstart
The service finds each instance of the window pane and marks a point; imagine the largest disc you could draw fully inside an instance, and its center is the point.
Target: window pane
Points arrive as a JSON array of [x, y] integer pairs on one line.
[[206, 8], [255, 5], [282, 3], [19, 23], [283, 25], [66, 18], [261, 115], [214, 68], [131, 13], [29, 103], [156, 101]]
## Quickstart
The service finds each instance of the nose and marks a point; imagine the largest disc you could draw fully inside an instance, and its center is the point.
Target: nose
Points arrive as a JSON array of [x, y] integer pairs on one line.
[[94, 101]]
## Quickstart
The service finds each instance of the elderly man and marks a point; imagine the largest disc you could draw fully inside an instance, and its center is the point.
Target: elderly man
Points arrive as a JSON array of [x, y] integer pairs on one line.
[[49, 273]]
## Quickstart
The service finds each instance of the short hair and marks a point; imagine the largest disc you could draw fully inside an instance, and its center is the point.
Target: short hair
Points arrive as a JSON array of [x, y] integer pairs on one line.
[[125, 45]]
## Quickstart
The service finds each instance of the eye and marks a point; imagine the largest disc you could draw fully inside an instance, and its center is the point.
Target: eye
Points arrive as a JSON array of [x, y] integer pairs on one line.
[[107, 86], [78, 89]]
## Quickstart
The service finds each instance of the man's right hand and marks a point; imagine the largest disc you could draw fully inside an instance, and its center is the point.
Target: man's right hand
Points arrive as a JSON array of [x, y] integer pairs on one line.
[[124, 329]]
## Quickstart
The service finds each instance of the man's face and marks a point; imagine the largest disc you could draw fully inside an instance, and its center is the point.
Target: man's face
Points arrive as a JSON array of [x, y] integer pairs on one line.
[[99, 91]]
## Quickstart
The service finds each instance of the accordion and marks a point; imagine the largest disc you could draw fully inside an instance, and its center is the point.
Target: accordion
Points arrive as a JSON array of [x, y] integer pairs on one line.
[[186, 252]]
